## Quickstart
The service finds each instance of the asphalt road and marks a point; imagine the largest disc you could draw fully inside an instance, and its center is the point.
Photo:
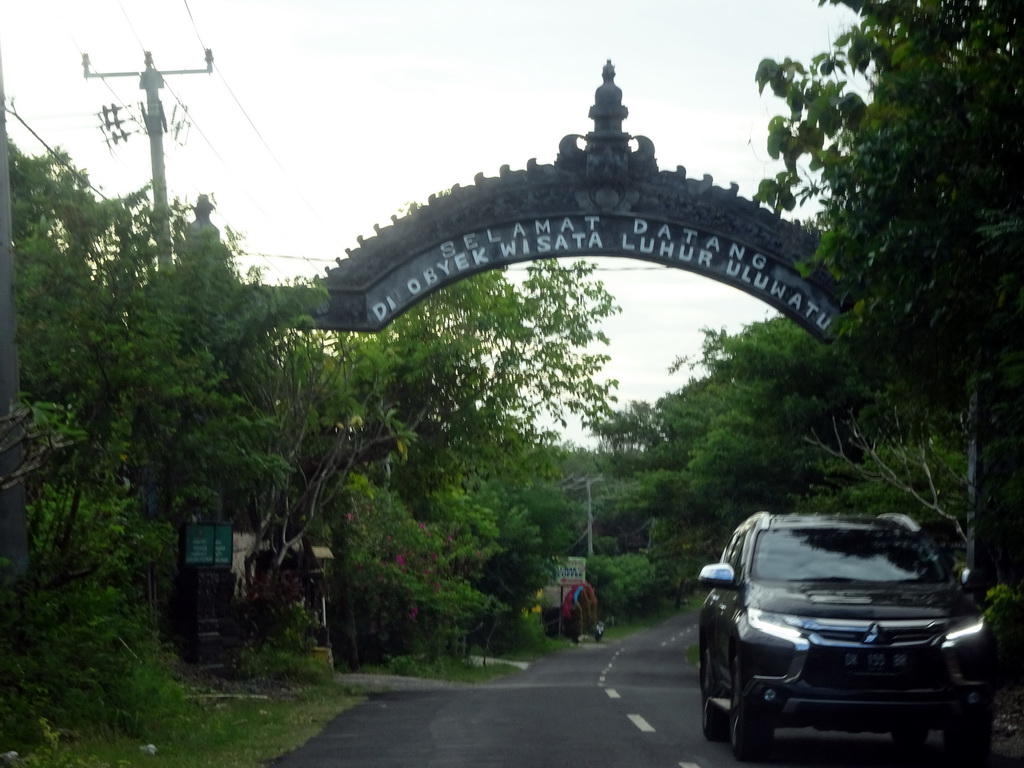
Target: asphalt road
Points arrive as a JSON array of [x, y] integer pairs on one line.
[[629, 704]]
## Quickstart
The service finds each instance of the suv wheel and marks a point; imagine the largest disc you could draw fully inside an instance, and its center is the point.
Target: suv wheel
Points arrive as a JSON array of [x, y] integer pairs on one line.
[[751, 733], [714, 722], [968, 743]]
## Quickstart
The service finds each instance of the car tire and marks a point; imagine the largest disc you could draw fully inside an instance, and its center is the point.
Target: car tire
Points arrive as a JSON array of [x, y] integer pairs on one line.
[[969, 743], [751, 733], [714, 722]]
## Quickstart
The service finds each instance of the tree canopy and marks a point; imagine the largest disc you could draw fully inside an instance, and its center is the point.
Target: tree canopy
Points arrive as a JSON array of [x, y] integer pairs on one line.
[[192, 393], [909, 128]]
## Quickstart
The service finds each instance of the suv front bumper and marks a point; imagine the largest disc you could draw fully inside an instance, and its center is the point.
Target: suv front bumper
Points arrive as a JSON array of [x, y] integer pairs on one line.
[[798, 705], [826, 678]]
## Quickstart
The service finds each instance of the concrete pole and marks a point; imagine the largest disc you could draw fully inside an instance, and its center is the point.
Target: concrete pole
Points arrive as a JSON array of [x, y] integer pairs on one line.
[[13, 529], [151, 81], [590, 521]]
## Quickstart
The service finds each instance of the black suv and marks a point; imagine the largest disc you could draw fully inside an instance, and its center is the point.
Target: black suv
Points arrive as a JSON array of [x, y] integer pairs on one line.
[[842, 623]]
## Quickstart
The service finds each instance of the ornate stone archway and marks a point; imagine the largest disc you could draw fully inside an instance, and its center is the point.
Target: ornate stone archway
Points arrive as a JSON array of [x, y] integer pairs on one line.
[[603, 196]]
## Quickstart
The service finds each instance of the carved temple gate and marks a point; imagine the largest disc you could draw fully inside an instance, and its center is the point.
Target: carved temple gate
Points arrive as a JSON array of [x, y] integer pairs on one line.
[[603, 196]]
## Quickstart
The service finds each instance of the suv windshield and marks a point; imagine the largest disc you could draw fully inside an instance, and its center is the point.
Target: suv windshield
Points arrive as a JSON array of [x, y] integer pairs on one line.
[[846, 554]]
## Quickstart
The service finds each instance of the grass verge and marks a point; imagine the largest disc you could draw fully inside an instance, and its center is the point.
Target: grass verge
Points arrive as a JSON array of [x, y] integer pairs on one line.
[[211, 728], [210, 731]]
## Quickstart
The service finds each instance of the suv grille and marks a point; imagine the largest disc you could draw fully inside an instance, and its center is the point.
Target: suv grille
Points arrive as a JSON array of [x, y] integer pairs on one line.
[[885, 632], [882, 655]]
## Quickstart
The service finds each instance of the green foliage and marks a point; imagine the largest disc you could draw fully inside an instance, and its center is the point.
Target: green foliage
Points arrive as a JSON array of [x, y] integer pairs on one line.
[[735, 441], [38, 430], [1005, 614], [153, 368], [154, 373], [409, 581], [517, 635], [272, 613], [627, 586], [208, 732], [81, 656], [78, 630], [923, 208], [473, 369], [324, 417], [193, 392], [293, 663], [629, 432], [533, 528], [778, 421]]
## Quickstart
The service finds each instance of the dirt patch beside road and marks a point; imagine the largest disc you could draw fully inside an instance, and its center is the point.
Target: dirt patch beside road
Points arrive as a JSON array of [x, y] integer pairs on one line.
[[1008, 729]]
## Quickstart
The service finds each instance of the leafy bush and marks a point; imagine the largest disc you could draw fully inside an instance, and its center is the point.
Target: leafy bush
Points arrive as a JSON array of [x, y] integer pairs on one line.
[[78, 645], [278, 631], [410, 581], [275, 662], [80, 657], [627, 586], [272, 612], [1005, 613], [511, 632]]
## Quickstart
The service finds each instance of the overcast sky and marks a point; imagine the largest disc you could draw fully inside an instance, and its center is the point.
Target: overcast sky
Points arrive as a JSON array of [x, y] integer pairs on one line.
[[324, 117]]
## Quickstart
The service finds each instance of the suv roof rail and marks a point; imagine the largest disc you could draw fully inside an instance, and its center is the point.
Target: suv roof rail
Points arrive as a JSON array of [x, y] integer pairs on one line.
[[761, 519], [905, 520]]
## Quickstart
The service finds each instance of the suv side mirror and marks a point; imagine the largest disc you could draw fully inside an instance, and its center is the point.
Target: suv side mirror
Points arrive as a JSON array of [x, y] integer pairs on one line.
[[717, 575]]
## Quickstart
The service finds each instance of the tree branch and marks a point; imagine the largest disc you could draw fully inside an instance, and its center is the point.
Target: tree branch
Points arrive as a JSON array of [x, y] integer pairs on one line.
[[899, 473]]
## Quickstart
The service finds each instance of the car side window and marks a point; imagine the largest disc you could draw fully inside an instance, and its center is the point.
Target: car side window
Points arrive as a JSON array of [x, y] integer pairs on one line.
[[734, 552]]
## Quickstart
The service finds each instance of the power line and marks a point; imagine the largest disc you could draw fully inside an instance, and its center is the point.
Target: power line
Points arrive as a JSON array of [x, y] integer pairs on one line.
[[52, 152], [231, 171], [151, 80], [131, 26], [175, 95], [198, 128], [256, 130], [269, 150], [120, 103], [194, 27]]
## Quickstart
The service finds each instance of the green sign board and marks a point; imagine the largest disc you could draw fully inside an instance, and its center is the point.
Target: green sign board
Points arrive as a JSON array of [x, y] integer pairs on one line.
[[207, 545]]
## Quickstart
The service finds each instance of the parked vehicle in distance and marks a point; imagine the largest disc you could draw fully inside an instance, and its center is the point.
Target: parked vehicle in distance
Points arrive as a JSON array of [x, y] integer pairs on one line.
[[842, 623]]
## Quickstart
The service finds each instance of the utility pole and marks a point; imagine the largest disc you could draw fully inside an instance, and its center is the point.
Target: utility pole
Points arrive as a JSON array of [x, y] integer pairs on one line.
[[151, 80], [586, 482], [13, 528]]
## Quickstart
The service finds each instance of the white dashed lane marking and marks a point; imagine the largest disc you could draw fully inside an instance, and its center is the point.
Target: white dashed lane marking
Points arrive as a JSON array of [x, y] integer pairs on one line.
[[612, 693], [640, 723]]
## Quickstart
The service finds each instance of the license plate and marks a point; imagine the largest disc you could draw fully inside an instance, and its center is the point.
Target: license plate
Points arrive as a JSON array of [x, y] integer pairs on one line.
[[877, 662]]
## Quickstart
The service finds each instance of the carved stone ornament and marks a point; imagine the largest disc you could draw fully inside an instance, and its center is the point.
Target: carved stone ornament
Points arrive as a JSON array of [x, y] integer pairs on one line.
[[603, 196]]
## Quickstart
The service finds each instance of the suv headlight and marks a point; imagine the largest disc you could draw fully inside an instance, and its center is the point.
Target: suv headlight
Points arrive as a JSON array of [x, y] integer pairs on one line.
[[774, 624], [969, 651], [964, 632]]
